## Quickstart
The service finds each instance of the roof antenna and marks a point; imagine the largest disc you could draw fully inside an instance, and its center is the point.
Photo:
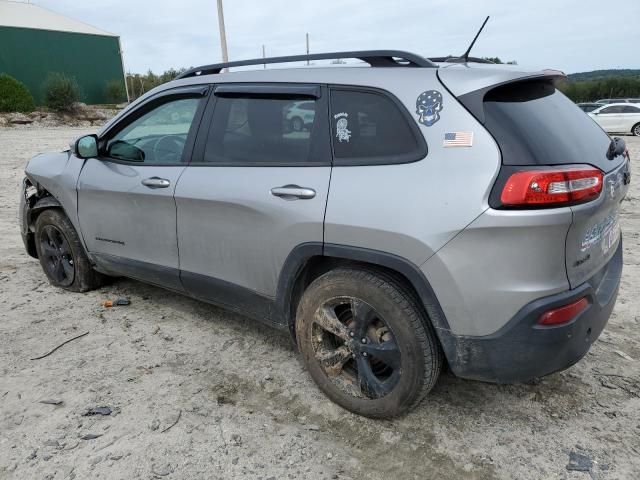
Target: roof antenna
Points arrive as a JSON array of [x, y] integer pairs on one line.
[[466, 54]]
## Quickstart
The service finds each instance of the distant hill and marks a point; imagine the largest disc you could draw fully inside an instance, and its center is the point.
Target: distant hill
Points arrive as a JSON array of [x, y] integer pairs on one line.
[[590, 86], [603, 74]]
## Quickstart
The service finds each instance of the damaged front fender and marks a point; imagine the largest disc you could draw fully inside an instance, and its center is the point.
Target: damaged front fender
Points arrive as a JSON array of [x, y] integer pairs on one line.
[[32, 201], [51, 182]]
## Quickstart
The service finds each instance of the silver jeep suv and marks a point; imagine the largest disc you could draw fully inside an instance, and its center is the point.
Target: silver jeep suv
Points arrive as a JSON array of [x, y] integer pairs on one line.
[[426, 213]]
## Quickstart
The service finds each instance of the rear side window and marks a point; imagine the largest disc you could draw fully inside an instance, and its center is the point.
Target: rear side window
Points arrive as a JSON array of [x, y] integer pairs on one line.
[[371, 128], [265, 131], [630, 109], [535, 124], [614, 109]]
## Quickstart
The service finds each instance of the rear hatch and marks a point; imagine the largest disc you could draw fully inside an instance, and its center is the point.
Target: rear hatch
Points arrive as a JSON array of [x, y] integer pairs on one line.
[[595, 231], [536, 126]]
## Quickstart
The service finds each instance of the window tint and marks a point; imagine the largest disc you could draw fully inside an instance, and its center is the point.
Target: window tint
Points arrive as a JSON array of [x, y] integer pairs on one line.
[[630, 109], [589, 108], [271, 130], [535, 124], [368, 125], [616, 109], [157, 137]]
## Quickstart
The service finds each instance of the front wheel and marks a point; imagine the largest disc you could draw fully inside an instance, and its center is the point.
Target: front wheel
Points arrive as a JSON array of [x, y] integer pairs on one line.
[[366, 343], [62, 255], [636, 130]]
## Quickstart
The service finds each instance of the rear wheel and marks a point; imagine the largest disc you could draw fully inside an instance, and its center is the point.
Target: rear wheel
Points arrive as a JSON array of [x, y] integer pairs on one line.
[[62, 255], [636, 130], [366, 343]]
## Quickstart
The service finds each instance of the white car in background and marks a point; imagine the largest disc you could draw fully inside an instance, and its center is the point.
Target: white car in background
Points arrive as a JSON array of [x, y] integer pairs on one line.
[[618, 118], [618, 100]]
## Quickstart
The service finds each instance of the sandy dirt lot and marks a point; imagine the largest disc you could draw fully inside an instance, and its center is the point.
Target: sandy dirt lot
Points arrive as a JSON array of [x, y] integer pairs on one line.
[[244, 406]]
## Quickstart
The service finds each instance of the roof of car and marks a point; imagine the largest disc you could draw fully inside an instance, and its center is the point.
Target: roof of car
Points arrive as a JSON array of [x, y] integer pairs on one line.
[[619, 104], [460, 78]]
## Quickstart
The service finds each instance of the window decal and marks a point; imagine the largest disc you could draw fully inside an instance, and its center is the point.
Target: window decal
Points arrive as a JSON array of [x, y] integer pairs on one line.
[[342, 132], [428, 107]]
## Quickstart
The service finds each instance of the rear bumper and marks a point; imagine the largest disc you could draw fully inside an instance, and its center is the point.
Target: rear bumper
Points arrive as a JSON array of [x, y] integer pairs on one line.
[[523, 350]]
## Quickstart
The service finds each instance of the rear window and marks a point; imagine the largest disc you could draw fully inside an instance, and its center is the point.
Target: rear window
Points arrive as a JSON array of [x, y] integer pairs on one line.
[[535, 124], [370, 128]]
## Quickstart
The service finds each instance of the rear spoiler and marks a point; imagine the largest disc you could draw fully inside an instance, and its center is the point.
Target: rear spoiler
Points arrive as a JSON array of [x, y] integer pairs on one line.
[[470, 85]]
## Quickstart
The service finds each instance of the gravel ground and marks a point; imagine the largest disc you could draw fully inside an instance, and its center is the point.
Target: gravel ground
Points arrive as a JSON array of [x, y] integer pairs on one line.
[[243, 404]]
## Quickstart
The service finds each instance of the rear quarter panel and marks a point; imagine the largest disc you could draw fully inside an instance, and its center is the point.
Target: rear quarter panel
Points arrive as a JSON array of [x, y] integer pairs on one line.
[[412, 210]]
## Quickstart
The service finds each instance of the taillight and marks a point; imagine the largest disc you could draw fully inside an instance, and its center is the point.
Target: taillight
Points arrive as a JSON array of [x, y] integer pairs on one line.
[[563, 314], [552, 187]]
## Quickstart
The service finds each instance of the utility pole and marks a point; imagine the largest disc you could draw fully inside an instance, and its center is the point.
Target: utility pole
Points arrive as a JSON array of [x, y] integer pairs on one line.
[[264, 55], [223, 34], [307, 49]]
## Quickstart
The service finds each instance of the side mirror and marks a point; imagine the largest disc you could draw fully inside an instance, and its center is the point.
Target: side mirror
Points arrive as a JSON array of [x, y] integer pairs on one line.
[[86, 147]]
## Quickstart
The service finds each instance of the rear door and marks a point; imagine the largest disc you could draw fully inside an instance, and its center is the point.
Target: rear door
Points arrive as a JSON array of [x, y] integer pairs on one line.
[[126, 209], [256, 188]]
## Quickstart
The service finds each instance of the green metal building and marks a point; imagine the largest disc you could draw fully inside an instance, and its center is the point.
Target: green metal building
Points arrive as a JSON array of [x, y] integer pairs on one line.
[[35, 41]]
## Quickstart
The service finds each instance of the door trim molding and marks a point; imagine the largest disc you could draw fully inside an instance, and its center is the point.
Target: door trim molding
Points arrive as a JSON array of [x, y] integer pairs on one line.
[[161, 276], [211, 290]]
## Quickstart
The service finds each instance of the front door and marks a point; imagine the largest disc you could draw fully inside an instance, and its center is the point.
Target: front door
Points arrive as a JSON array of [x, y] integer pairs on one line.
[[256, 188], [126, 208]]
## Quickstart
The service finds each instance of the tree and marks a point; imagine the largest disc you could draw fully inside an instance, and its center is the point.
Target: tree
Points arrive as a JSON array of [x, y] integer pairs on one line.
[[499, 61]]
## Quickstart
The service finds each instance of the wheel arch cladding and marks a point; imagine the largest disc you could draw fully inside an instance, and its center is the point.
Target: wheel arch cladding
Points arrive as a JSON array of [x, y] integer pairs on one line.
[[42, 204], [310, 260]]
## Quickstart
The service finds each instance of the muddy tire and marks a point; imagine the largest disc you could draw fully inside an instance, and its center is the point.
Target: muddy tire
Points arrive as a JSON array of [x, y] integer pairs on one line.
[[61, 254], [366, 343]]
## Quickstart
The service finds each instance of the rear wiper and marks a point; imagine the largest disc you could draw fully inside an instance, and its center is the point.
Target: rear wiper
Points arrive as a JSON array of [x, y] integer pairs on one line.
[[616, 148]]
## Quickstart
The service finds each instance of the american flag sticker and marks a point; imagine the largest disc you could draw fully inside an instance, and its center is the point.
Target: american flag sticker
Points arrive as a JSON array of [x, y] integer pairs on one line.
[[458, 139]]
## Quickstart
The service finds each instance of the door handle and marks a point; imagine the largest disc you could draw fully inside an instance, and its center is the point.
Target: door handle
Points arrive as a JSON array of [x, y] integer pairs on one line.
[[156, 182], [293, 192]]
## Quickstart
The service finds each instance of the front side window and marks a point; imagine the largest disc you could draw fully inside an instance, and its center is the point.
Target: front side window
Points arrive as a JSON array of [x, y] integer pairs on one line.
[[158, 136], [264, 130], [368, 127]]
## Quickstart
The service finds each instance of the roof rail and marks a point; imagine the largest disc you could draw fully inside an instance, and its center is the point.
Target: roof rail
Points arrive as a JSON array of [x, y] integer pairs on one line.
[[375, 58], [452, 59]]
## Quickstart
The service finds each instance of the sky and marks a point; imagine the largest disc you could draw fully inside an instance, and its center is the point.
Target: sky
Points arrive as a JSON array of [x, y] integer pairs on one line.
[[569, 35]]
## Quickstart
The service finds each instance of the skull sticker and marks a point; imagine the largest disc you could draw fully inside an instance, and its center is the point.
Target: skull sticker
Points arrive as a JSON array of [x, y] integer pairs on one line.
[[428, 107]]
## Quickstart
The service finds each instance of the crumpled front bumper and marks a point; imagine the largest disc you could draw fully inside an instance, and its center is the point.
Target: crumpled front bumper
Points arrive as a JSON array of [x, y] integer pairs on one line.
[[27, 235]]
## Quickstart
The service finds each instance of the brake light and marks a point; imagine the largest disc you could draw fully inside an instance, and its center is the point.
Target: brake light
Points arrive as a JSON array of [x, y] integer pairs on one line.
[[552, 187], [564, 314]]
